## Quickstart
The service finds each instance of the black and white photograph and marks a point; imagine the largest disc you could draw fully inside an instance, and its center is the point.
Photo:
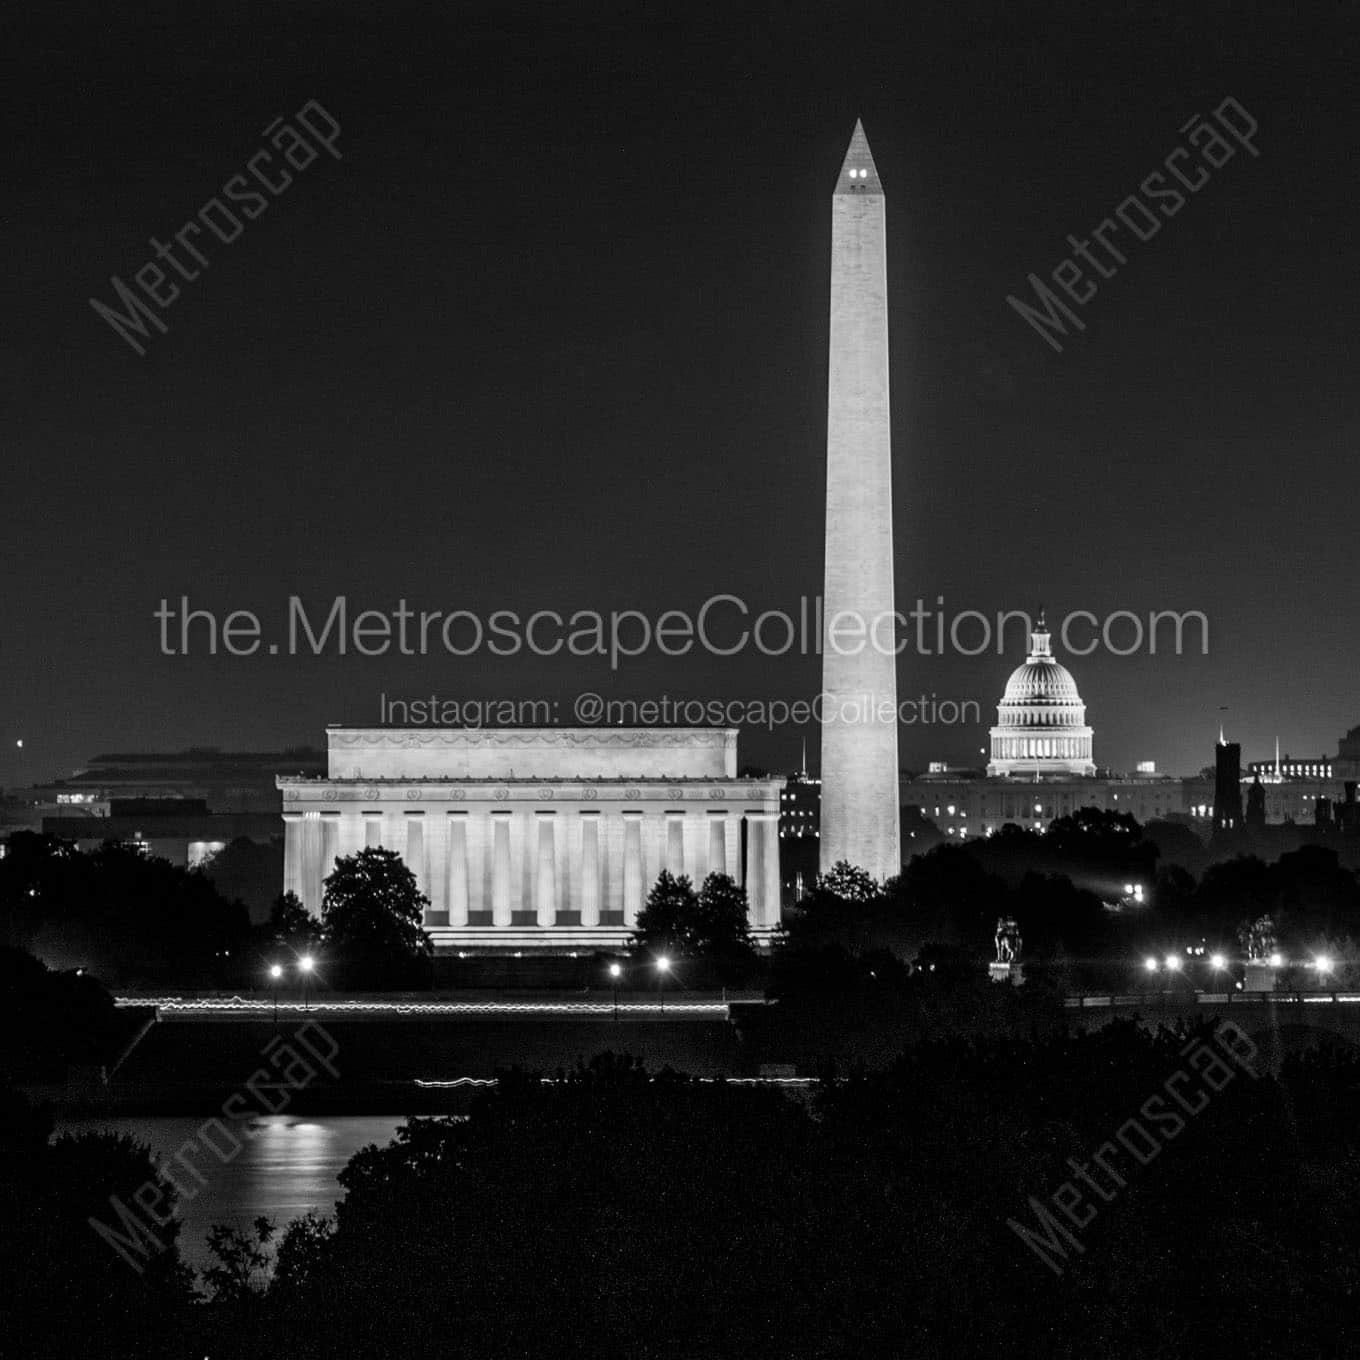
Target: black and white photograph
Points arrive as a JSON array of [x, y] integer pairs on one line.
[[678, 681]]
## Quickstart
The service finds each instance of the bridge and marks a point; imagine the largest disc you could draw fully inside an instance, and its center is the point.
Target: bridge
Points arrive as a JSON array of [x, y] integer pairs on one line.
[[1278, 1023], [627, 1004]]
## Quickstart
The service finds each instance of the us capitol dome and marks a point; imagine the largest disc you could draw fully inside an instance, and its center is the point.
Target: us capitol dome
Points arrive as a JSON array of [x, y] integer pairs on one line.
[[1041, 720]]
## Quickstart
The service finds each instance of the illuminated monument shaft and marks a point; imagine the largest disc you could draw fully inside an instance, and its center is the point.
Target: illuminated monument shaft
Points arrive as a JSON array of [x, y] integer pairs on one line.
[[859, 816]]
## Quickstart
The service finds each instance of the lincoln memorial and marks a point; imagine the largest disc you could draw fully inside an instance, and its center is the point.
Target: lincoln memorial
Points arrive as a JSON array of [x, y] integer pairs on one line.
[[537, 837]]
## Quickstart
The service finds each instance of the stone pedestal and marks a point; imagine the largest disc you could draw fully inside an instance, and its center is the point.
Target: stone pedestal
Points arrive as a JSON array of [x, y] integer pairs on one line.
[[1014, 973], [1260, 976]]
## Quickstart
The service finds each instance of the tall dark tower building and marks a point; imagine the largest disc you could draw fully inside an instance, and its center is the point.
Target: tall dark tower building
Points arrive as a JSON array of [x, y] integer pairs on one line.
[[1227, 785]]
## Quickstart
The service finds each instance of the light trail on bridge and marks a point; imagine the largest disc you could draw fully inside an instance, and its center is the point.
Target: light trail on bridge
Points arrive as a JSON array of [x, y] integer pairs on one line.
[[1233, 999], [238, 1005], [454, 1082]]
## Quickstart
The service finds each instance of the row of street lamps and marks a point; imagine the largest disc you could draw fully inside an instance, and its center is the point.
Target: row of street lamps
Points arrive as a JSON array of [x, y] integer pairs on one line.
[[1173, 963], [305, 965], [663, 967]]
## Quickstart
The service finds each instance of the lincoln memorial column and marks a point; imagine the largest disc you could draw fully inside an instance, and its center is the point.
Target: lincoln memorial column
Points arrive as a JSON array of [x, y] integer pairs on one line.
[[351, 832], [437, 865], [500, 867], [330, 837], [674, 856], [611, 865], [479, 863], [733, 848], [590, 869], [653, 838], [437, 869], [696, 847], [632, 865], [415, 853], [717, 842], [755, 864], [523, 864], [457, 891], [311, 861], [763, 869], [773, 882], [546, 878], [372, 827], [292, 853]]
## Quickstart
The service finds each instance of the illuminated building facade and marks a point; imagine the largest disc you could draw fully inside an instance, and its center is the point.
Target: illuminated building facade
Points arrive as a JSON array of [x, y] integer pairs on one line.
[[537, 837], [1041, 721]]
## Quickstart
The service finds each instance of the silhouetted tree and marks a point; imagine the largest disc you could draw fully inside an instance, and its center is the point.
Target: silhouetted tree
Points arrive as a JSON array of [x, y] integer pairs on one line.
[[666, 922], [246, 871], [722, 918], [709, 927], [372, 914], [130, 917], [241, 1260], [847, 883], [51, 1020], [291, 926], [81, 1276]]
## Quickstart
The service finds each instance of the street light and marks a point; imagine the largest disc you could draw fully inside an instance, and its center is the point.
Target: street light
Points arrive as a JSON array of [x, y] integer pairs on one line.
[[1323, 964], [275, 973], [305, 968], [663, 966], [1277, 960], [614, 972], [1150, 964], [1217, 962], [1173, 963]]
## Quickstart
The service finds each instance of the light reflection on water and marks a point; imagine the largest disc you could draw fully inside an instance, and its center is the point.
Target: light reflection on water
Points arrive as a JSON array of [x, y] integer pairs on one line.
[[287, 1165]]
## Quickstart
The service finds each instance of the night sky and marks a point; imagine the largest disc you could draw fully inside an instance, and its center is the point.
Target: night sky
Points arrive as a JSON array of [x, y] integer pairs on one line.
[[552, 335]]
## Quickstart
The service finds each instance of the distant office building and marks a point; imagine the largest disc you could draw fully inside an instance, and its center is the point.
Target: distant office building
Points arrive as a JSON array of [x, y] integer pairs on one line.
[[1348, 756], [181, 830], [800, 807], [224, 781], [182, 806], [974, 804], [1290, 767]]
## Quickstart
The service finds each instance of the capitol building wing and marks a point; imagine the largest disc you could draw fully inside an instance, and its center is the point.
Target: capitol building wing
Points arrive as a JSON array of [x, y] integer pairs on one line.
[[537, 837], [1041, 721]]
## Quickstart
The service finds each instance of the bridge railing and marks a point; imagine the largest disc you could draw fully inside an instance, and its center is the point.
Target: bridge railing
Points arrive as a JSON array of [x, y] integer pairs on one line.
[[1087, 1000]]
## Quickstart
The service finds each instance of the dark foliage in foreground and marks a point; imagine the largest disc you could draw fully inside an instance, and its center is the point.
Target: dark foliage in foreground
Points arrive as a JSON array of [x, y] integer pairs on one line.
[[50, 1019], [612, 1215], [122, 915], [67, 1291]]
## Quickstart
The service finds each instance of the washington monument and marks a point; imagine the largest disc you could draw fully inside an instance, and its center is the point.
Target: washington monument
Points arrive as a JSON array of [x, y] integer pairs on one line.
[[859, 676]]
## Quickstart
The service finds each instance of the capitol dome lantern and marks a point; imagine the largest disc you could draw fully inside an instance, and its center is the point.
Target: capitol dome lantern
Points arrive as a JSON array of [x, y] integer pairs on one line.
[[1041, 720]]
